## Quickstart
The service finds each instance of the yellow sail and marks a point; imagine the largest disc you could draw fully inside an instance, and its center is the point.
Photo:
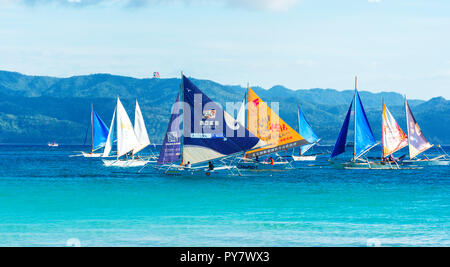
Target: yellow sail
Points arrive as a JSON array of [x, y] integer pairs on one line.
[[270, 128]]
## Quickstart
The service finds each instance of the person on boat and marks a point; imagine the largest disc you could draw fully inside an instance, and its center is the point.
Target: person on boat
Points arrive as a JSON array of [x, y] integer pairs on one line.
[[271, 161], [390, 159], [257, 159], [188, 165], [210, 166]]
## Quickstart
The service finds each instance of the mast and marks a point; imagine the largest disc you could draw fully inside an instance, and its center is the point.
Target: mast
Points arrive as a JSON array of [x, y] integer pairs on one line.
[[182, 114], [298, 120], [247, 109], [117, 127], [354, 143], [92, 128], [407, 126], [382, 130]]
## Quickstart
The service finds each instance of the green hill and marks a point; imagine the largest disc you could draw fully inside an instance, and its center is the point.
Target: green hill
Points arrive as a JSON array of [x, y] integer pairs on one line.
[[37, 109]]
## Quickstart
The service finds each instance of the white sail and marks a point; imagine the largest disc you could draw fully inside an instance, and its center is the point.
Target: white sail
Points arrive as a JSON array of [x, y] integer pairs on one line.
[[126, 138], [110, 139], [140, 130], [241, 114]]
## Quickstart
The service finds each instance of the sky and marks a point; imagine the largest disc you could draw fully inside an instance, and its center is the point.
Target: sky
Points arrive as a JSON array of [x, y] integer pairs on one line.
[[391, 45]]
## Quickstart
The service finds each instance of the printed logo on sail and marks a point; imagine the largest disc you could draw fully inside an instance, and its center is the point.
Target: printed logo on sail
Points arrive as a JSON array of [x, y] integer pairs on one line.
[[209, 114], [172, 137]]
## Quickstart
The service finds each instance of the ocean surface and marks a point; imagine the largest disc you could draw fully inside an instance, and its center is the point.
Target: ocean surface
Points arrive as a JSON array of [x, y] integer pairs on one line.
[[48, 198]]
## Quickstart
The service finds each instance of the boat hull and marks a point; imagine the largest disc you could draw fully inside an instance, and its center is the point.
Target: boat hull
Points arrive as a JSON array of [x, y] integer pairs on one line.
[[376, 166], [125, 163], [426, 162], [176, 170], [304, 158], [91, 155], [263, 166]]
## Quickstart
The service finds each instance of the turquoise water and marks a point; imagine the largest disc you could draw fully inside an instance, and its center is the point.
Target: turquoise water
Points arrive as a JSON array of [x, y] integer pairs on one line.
[[47, 197]]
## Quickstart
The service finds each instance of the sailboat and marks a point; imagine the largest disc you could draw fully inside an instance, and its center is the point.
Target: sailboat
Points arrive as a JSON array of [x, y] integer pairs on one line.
[[364, 139], [393, 138], [209, 134], [264, 123], [141, 133], [307, 132], [127, 141], [418, 143], [99, 135]]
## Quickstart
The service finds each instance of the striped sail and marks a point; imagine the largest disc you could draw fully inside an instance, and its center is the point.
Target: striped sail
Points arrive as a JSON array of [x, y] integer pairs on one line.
[[270, 128], [393, 136]]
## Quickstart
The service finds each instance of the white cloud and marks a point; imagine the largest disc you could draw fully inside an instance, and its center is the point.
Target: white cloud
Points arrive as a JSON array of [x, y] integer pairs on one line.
[[274, 5], [374, 1]]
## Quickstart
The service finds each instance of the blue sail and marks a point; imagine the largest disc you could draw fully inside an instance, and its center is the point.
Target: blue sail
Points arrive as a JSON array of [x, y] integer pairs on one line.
[[99, 131], [364, 139], [306, 131], [341, 142], [209, 131], [171, 147]]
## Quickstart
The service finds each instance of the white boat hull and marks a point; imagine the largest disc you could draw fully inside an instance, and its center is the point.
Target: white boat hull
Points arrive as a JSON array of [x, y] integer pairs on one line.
[[304, 158], [176, 170], [376, 166], [266, 166], [427, 162], [125, 163], [91, 155]]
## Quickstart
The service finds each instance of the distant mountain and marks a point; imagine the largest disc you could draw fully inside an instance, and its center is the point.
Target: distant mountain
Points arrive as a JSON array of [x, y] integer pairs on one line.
[[37, 109]]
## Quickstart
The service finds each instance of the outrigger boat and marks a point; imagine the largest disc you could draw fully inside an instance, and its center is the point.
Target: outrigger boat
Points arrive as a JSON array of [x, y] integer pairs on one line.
[[418, 143], [264, 123], [99, 135], [128, 142], [307, 132], [364, 139], [393, 139], [210, 135]]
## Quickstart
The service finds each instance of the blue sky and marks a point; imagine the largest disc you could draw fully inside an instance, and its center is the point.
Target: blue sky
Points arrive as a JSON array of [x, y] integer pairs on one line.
[[392, 45]]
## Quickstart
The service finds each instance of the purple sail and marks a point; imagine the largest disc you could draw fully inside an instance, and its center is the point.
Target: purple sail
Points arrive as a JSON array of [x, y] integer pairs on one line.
[[417, 141], [171, 147]]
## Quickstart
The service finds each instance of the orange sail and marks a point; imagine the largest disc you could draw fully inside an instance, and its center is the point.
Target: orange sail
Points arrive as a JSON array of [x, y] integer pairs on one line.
[[394, 138], [270, 128]]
